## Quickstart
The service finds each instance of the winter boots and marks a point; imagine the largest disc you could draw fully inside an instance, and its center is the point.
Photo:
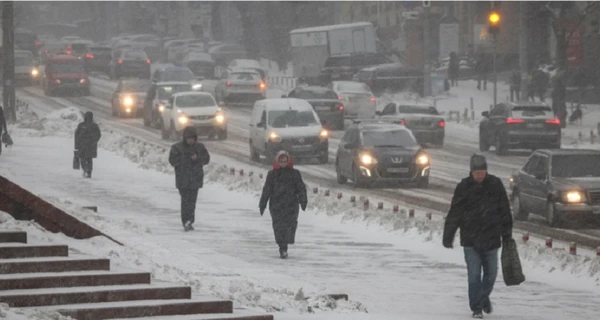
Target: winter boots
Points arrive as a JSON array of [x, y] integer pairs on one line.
[[283, 251], [87, 174], [188, 226], [477, 315]]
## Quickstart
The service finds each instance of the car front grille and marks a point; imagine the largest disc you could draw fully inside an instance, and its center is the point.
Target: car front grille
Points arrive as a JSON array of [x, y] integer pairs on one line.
[[202, 117], [594, 196], [301, 141], [69, 81]]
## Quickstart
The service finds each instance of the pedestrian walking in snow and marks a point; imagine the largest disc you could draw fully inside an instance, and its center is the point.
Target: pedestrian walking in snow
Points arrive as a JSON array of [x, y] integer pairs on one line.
[[285, 192], [189, 157], [3, 127], [515, 86], [482, 67], [453, 69], [481, 210], [87, 136]]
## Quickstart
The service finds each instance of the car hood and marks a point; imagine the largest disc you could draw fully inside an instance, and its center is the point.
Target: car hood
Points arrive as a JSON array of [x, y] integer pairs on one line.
[[590, 183], [296, 132], [200, 111], [133, 94]]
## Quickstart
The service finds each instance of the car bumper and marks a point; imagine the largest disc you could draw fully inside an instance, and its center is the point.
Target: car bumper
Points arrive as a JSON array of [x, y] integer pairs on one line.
[[428, 136], [299, 151], [244, 96], [204, 127], [380, 174], [70, 86], [581, 213], [533, 140], [133, 70]]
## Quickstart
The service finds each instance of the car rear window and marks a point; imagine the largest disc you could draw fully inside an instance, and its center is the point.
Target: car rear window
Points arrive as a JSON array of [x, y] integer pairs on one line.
[[308, 94], [195, 100], [576, 166], [134, 55], [66, 67], [389, 138], [532, 111], [337, 62], [417, 109], [246, 76], [354, 87], [79, 47]]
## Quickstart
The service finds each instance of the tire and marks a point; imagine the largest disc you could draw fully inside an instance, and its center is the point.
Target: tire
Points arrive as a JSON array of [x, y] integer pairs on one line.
[[552, 216], [483, 144], [340, 178], [324, 158], [163, 133], [518, 212], [501, 149], [222, 135], [254, 155], [423, 183]]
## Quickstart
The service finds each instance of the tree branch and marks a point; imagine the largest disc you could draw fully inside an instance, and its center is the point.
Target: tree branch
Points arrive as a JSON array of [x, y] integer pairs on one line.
[[586, 11]]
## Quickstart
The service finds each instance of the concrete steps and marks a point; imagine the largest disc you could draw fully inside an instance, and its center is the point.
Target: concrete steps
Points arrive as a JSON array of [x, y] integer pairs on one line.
[[47, 277]]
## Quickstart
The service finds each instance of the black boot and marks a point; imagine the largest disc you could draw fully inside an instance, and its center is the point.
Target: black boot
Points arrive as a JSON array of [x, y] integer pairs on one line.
[[487, 306], [283, 251], [477, 315]]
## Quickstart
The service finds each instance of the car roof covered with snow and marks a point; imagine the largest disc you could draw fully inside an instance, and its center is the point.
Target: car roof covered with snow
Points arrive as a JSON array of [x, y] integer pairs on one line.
[[286, 104], [527, 104], [245, 63], [242, 70], [63, 58]]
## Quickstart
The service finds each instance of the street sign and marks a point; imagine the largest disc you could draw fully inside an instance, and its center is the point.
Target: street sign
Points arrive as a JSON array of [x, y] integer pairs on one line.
[[411, 15]]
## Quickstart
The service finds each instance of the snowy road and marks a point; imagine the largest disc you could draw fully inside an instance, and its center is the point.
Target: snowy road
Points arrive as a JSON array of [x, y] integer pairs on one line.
[[232, 254], [449, 164]]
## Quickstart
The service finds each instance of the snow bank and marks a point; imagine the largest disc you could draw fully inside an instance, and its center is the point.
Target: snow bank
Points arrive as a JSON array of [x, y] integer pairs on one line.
[[154, 157]]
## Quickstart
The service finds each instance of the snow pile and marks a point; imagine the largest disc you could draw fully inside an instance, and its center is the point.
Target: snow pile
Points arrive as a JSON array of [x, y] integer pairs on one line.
[[28, 314], [159, 259]]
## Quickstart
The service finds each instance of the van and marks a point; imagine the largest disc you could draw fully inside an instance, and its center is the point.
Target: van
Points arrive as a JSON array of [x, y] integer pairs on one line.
[[287, 124], [67, 74]]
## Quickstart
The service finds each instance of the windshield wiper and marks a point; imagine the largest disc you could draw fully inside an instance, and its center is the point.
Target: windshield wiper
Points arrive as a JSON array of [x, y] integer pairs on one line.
[[389, 146]]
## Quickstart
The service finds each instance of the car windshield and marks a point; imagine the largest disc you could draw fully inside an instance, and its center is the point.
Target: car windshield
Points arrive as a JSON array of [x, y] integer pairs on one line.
[[135, 86], [354, 87], [308, 94], [337, 62], [576, 166], [66, 68], [417, 109], [134, 55], [389, 138], [165, 92], [195, 100], [531, 111], [291, 118], [79, 47], [180, 75], [245, 76]]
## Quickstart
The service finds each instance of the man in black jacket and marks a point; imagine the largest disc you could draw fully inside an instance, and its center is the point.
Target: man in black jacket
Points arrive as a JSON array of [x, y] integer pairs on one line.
[[480, 208], [189, 157], [87, 136]]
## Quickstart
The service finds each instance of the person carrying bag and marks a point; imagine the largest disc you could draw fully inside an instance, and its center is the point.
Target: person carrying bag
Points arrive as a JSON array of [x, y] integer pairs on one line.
[[511, 264]]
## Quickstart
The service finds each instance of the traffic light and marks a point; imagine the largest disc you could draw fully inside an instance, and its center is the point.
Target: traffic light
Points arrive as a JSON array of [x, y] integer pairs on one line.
[[494, 23]]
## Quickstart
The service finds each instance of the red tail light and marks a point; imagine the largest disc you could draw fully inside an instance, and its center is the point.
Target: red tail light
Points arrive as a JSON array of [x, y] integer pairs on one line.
[[341, 107], [89, 56], [340, 98], [148, 61], [553, 121], [68, 51], [38, 43], [442, 123], [120, 61], [45, 50], [228, 84], [373, 99], [402, 122], [513, 120]]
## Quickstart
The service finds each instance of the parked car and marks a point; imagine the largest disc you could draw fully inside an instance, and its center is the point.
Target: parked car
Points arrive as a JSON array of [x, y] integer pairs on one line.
[[130, 63], [393, 77], [424, 121], [129, 96], [196, 109], [157, 98], [358, 99], [381, 153], [561, 185], [98, 58], [287, 124], [326, 105], [65, 73], [344, 66], [240, 86], [514, 125], [249, 64]]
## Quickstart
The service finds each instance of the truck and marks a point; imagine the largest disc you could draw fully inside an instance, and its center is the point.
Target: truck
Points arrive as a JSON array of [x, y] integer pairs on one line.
[[310, 47]]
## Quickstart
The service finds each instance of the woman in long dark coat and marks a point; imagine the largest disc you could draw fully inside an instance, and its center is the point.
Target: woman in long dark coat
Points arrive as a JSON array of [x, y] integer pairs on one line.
[[87, 136], [286, 193]]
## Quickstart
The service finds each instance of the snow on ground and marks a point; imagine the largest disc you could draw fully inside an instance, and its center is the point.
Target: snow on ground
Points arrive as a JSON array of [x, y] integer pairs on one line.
[[386, 263]]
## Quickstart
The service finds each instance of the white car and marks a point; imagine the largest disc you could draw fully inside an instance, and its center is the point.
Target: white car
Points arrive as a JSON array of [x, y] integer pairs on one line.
[[248, 64], [358, 99], [240, 85], [287, 124], [197, 109]]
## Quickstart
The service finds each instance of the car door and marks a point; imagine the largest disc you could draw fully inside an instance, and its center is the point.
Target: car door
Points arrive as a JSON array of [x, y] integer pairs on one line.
[[539, 185], [341, 151], [526, 182], [348, 154]]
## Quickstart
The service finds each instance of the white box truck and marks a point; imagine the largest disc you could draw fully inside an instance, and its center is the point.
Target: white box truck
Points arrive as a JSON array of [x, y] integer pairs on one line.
[[312, 46]]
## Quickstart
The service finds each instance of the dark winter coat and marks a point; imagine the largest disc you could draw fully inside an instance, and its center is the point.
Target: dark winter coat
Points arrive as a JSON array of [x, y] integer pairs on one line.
[[87, 136], [482, 66], [3, 126], [285, 192], [482, 212], [189, 173], [453, 66], [515, 80]]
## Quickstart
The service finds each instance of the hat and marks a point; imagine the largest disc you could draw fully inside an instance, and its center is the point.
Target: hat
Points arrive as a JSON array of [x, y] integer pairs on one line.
[[190, 132], [478, 162]]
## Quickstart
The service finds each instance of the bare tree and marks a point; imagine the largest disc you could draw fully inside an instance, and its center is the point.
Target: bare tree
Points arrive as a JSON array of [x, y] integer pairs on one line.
[[249, 30]]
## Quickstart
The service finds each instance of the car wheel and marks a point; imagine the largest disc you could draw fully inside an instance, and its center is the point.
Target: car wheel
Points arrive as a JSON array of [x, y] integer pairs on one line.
[[483, 144], [340, 177], [163, 132], [324, 157], [519, 213], [551, 215], [423, 183], [500, 147], [254, 155], [222, 135]]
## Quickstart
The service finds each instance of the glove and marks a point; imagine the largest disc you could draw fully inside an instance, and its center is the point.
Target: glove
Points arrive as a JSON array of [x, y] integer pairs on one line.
[[303, 206], [262, 211], [448, 244]]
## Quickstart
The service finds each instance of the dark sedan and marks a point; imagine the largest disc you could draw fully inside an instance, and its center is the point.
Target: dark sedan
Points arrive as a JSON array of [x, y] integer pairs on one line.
[[97, 58], [425, 122], [326, 104], [562, 186], [519, 125], [385, 153], [130, 63]]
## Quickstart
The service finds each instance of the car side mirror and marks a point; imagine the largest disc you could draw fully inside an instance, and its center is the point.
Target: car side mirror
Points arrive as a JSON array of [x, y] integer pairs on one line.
[[485, 114], [378, 113], [349, 146], [261, 125]]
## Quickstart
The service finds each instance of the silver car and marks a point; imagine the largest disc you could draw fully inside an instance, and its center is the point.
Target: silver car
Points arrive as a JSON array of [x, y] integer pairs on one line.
[[425, 122], [358, 100], [240, 85]]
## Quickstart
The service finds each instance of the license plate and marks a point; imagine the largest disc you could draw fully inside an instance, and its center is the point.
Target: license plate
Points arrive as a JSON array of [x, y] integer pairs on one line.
[[303, 147], [323, 108], [535, 125], [397, 170]]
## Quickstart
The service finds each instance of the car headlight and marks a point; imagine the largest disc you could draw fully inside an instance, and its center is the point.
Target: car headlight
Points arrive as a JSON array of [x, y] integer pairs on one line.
[[82, 81], [273, 136], [58, 81], [35, 72], [161, 107], [197, 86], [324, 134], [183, 119], [423, 159], [220, 118], [574, 197], [367, 159], [128, 101]]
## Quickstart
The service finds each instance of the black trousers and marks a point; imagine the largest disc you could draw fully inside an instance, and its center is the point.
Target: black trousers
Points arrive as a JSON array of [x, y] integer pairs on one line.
[[87, 164], [188, 204]]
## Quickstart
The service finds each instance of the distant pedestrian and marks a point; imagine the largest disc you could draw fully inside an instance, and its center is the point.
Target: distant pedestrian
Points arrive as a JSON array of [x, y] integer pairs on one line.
[[480, 208], [87, 136], [285, 192], [540, 81], [189, 157], [482, 67], [515, 86], [3, 127], [453, 69]]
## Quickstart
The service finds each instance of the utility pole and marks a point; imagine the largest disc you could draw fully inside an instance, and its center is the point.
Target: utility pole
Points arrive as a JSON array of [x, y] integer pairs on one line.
[[8, 53], [426, 49], [523, 49]]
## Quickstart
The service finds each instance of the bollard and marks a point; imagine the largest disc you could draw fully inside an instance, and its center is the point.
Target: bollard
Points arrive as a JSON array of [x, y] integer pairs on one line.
[[339, 196], [366, 204], [250, 174], [232, 171], [472, 110], [260, 175], [395, 208], [353, 199], [428, 215], [242, 172], [411, 213], [327, 193], [592, 136], [380, 206], [573, 248], [548, 242], [598, 252], [526, 237], [315, 190]]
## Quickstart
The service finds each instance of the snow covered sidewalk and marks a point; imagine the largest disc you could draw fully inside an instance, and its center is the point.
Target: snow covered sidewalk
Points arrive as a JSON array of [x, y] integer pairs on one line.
[[232, 254]]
